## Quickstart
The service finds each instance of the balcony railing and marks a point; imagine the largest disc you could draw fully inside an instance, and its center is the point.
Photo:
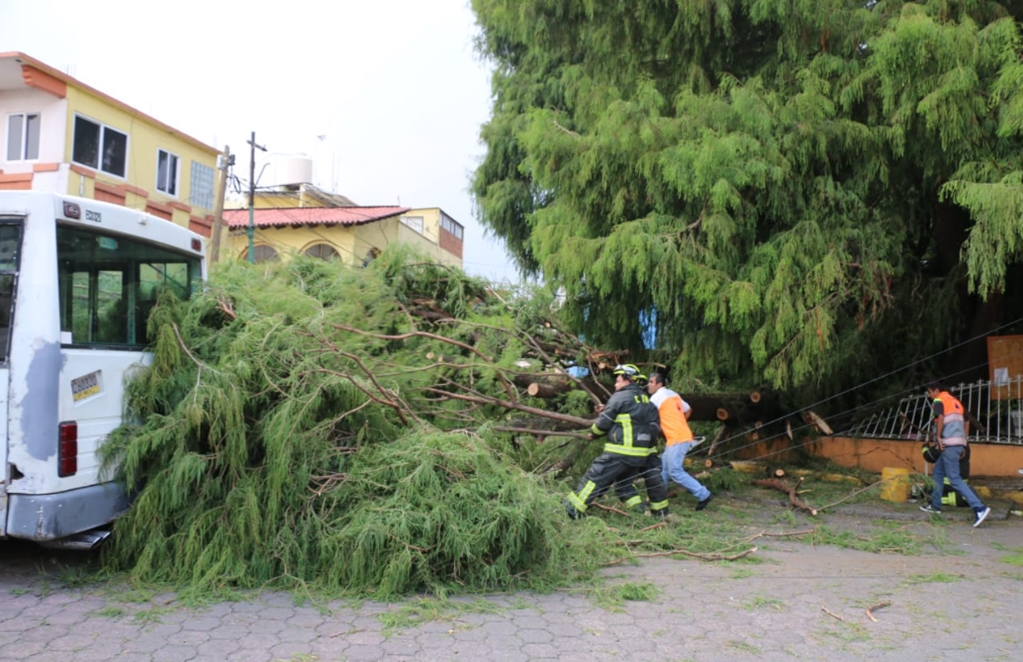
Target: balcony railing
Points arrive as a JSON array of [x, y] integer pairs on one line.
[[993, 412]]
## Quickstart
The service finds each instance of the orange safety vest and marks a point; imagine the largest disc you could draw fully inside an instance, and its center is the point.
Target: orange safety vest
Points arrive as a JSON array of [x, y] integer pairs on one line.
[[672, 413], [953, 433]]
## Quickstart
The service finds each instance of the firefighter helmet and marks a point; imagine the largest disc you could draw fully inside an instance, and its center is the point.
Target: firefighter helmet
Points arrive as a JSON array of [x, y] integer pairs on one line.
[[630, 372]]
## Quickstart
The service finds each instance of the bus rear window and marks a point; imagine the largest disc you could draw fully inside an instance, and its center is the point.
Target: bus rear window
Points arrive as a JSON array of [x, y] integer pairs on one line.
[[109, 284]]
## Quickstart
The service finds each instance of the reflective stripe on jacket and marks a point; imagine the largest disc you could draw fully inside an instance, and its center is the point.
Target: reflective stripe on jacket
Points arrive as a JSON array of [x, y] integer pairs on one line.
[[953, 433], [631, 422]]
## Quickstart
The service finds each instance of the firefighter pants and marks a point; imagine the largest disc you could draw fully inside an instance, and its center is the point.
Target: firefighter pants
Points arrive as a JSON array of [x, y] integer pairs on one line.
[[620, 471]]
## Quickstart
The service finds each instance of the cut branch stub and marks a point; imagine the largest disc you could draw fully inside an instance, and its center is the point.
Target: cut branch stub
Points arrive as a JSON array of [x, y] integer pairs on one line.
[[782, 486], [538, 390]]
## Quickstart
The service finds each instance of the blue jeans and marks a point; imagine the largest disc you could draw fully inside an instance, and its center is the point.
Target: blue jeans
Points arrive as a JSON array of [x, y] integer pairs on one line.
[[673, 468], [947, 466]]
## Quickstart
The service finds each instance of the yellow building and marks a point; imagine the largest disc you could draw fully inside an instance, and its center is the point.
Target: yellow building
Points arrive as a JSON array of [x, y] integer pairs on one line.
[[62, 136], [300, 218]]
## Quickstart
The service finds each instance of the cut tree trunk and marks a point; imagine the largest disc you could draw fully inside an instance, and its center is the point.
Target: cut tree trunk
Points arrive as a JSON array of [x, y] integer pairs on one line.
[[538, 390]]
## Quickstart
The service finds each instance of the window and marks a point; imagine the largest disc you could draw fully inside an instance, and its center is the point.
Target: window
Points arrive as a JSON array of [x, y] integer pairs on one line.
[[262, 253], [451, 225], [99, 146], [109, 284], [414, 222], [322, 251], [201, 193], [166, 172], [10, 243], [23, 136]]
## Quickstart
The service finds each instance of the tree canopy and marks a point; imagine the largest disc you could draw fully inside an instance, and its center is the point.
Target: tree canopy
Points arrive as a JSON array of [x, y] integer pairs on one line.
[[802, 194]]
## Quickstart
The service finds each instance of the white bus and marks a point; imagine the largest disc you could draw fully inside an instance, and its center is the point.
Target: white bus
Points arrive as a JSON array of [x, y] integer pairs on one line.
[[77, 281]]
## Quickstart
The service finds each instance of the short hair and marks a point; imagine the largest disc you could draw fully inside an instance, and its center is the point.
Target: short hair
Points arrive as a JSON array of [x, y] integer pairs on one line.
[[657, 378], [935, 385]]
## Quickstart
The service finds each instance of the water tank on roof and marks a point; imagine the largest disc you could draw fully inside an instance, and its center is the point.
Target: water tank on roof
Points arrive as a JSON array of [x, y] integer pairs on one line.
[[293, 170]]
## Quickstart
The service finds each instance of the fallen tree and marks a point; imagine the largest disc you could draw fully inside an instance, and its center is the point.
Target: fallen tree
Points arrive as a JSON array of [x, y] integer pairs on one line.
[[370, 431]]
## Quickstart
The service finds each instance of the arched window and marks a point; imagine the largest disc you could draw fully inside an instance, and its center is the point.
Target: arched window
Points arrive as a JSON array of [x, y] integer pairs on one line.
[[263, 253], [322, 251]]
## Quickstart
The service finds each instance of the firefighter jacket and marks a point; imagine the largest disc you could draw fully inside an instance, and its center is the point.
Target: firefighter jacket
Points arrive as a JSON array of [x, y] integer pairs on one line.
[[950, 410], [630, 422]]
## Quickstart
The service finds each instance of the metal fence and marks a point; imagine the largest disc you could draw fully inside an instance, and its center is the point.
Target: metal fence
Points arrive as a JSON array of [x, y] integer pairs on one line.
[[993, 411]]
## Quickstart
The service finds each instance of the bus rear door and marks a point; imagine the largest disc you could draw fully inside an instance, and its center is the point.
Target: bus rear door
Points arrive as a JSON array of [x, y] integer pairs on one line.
[[10, 242]]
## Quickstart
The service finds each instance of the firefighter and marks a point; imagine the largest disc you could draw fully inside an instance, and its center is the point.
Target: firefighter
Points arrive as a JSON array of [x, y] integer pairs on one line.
[[629, 421]]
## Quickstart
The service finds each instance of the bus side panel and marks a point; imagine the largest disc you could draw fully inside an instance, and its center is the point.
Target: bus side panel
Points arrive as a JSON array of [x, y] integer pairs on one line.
[[34, 370], [35, 358], [41, 504], [92, 393], [5, 474]]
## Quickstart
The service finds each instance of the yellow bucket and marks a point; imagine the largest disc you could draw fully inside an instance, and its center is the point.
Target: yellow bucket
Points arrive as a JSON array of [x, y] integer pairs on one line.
[[895, 487]]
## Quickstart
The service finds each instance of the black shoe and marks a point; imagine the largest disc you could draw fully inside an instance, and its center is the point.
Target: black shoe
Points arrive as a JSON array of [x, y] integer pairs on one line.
[[703, 504], [573, 514]]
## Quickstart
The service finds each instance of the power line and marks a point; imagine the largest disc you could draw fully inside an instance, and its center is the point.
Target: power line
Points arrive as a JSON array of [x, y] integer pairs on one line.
[[871, 381]]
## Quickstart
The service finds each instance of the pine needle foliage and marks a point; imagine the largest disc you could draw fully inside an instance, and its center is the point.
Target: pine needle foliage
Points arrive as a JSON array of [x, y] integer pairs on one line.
[[436, 509], [790, 189], [297, 428]]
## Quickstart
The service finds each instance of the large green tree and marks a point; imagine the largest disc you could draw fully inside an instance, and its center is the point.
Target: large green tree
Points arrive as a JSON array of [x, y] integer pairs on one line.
[[803, 193]]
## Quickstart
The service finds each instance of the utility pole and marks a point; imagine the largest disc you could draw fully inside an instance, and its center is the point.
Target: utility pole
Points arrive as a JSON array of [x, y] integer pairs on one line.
[[218, 212], [252, 196]]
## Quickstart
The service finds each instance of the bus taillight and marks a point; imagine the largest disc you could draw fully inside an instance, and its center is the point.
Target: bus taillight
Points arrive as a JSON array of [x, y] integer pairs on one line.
[[67, 450]]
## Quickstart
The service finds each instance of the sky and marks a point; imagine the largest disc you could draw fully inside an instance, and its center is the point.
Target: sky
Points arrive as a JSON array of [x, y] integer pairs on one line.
[[386, 96]]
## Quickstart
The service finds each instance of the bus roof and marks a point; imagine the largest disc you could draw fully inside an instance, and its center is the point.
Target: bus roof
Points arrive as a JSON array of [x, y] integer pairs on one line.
[[94, 215]]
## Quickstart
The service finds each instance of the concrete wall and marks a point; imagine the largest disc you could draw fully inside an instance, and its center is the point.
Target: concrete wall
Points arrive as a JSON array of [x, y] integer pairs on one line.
[[137, 189], [288, 240], [991, 460], [52, 131], [59, 102]]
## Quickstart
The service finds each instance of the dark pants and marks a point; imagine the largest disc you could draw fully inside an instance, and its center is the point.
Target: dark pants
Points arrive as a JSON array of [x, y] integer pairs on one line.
[[620, 471]]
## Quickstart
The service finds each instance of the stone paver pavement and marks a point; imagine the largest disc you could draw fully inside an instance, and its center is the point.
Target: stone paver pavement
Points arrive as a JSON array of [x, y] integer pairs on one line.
[[797, 603]]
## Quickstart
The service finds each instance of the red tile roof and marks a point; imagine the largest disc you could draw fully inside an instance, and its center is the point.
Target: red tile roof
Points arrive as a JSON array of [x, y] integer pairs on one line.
[[300, 216]]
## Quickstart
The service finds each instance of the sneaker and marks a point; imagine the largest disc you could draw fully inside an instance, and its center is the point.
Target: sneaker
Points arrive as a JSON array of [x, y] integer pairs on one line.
[[930, 509], [703, 504], [982, 515]]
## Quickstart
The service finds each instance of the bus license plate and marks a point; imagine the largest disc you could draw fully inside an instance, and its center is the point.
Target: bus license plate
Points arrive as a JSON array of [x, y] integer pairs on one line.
[[84, 386]]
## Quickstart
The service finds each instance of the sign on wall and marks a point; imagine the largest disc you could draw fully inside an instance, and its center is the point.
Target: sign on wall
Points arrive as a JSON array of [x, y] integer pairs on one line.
[[1005, 366]]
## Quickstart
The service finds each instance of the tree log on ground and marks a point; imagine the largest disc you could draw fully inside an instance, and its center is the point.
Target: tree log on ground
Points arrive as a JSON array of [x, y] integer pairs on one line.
[[736, 408]]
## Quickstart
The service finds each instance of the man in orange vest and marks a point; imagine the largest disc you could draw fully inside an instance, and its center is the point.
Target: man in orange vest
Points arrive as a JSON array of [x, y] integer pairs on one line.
[[950, 434], [674, 415]]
